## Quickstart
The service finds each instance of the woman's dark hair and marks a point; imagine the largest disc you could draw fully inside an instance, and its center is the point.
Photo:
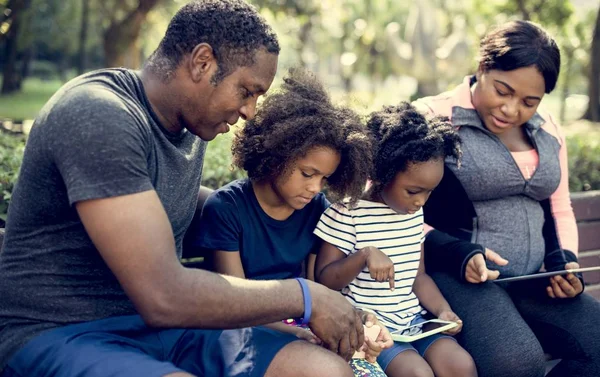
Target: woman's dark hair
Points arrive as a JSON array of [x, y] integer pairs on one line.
[[403, 136], [519, 44], [233, 28], [296, 119]]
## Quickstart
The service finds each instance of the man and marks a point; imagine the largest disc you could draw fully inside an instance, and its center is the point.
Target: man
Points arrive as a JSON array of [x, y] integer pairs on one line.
[[90, 281]]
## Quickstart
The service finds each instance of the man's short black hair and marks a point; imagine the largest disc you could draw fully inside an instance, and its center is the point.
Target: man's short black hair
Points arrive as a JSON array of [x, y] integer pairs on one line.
[[233, 28], [520, 44]]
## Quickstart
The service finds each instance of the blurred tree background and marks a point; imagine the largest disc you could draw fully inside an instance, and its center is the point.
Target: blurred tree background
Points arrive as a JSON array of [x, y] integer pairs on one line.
[[368, 52]]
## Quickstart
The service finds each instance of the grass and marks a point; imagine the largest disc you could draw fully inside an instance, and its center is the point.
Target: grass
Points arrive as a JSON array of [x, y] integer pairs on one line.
[[26, 103]]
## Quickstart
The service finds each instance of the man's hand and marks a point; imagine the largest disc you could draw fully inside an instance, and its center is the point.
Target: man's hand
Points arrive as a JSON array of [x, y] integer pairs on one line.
[[565, 287], [477, 271], [380, 266], [335, 321], [449, 315]]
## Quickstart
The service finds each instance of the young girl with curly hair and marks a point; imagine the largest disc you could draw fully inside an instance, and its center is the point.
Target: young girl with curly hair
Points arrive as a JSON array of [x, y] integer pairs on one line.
[[373, 251], [262, 227]]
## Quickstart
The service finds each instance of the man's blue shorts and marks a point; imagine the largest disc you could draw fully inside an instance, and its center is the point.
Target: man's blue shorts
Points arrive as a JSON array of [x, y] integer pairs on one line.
[[125, 346]]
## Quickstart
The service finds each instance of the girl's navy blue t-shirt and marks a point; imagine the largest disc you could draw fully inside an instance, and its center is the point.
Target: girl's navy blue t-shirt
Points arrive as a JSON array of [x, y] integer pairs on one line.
[[233, 220]]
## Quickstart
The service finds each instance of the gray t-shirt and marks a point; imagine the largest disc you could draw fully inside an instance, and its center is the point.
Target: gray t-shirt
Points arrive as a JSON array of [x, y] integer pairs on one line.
[[97, 137]]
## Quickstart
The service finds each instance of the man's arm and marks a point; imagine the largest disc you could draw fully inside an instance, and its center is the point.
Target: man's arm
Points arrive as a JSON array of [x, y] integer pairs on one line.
[[134, 237], [230, 263]]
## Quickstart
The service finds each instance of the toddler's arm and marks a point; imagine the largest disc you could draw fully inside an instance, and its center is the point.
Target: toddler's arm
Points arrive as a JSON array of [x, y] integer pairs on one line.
[[334, 269], [431, 298]]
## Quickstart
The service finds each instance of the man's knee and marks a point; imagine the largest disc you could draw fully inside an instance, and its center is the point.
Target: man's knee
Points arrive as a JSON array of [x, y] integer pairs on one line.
[[336, 366], [303, 359]]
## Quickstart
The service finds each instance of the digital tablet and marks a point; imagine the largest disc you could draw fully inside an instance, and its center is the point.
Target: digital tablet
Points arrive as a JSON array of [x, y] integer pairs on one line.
[[546, 274], [433, 326]]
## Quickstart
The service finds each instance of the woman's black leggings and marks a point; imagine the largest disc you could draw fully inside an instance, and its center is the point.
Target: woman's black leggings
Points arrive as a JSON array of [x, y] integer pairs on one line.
[[507, 328]]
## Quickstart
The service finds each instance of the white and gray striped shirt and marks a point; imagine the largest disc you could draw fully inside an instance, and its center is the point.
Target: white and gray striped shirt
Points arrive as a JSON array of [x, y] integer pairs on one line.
[[398, 236]]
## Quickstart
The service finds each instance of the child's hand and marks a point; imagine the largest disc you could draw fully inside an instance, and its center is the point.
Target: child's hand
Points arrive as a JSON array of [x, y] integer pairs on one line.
[[477, 272], [380, 266], [373, 347], [449, 315], [307, 335]]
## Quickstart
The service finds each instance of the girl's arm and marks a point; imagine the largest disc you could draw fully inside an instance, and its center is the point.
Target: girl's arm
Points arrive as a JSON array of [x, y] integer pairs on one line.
[[310, 266], [334, 269], [228, 263], [432, 299], [427, 291]]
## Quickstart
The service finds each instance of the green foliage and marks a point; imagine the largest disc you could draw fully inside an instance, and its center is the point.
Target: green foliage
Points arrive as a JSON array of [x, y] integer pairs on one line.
[[218, 170], [53, 27], [26, 103], [11, 155], [545, 12], [584, 163], [43, 69]]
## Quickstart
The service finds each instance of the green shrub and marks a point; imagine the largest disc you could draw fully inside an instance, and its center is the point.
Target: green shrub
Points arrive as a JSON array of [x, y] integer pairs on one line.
[[218, 170], [43, 69], [584, 163], [11, 155]]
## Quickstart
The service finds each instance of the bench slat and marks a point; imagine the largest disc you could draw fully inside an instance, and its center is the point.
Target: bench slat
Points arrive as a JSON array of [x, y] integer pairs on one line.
[[586, 205], [589, 235]]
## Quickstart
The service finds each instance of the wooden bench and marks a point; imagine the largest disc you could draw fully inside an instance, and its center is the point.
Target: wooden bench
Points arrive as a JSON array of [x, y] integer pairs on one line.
[[587, 212], [586, 206]]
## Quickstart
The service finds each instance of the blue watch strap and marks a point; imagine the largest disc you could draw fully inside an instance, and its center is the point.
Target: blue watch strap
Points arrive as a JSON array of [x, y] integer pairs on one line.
[[307, 301]]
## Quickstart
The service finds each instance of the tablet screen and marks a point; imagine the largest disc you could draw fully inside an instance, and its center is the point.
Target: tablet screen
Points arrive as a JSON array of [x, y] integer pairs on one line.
[[546, 274]]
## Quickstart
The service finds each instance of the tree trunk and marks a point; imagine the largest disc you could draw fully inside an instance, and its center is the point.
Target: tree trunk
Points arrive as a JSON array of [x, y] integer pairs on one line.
[[593, 111], [85, 18], [303, 37], [11, 11], [566, 83], [121, 37], [26, 62], [523, 9], [426, 88], [11, 80], [373, 74]]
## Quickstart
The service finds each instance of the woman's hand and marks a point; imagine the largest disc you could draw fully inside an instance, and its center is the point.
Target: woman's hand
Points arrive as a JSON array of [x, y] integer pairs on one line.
[[477, 271], [449, 315], [565, 287], [380, 266]]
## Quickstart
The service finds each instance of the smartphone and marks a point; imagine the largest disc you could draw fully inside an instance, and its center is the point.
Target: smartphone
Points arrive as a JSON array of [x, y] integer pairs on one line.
[[433, 326]]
